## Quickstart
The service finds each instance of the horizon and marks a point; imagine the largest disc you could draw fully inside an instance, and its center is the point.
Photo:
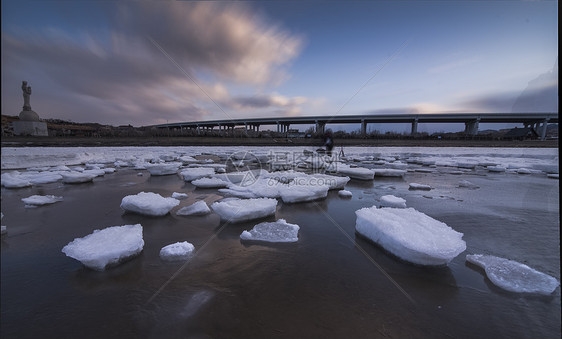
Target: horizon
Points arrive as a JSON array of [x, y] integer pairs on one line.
[[151, 63]]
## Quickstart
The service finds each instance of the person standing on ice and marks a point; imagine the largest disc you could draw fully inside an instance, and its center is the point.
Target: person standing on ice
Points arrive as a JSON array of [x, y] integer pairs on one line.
[[328, 142]]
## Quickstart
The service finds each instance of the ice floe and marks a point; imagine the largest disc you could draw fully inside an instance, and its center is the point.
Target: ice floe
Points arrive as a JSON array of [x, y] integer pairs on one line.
[[278, 231], [177, 195], [392, 201], [389, 172], [345, 194], [39, 200], [497, 168], [148, 203], [410, 235], [468, 184], [177, 251], [163, 169], [13, 180], [416, 186], [198, 208], [359, 173], [514, 276], [209, 183], [301, 193], [195, 173], [76, 177], [107, 247], [245, 209]]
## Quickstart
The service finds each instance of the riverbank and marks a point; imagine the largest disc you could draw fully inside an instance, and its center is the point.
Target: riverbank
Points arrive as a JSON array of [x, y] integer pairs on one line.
[[214, 141]]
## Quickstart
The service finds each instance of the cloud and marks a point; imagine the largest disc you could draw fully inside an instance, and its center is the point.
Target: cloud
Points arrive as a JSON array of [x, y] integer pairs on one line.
[[541, 94], [280, 104], [118, 76]]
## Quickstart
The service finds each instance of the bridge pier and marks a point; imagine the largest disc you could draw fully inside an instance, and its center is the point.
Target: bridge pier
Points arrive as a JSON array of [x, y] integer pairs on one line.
[[542, 130], [471, 127], [363, 127], [414, 127], [320, 127]]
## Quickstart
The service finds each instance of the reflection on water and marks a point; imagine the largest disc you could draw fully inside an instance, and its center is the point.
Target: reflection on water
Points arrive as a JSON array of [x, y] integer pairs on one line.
[[321, 286]]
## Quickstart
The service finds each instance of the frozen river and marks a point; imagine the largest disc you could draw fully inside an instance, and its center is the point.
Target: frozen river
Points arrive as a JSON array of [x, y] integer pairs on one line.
[[330, 283]]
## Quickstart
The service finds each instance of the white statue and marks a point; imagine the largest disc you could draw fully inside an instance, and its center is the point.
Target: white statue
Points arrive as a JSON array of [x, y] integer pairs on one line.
[[26, 94]]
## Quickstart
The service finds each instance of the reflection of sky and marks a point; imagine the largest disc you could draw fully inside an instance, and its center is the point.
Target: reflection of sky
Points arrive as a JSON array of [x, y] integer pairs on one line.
[[92, 61]]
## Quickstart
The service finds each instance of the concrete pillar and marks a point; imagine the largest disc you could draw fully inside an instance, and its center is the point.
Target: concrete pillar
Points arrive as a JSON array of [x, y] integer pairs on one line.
[[363, 127], [257, 128], [471, 127], [320, 127], [246, 127], [414, 127], [198, 130], [542, 129], [278, 127]]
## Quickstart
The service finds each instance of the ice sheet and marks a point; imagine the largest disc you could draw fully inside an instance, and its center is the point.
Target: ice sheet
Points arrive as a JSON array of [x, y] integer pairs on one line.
[[392, 201], [107, 247], [198, 208], [38, 200], [177, 251], [410, 235], [278, 231], [514, 276], [148, 203], [245, 209]]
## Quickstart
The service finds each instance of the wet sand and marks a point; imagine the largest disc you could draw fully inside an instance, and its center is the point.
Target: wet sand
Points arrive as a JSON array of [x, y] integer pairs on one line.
[[330, 284]]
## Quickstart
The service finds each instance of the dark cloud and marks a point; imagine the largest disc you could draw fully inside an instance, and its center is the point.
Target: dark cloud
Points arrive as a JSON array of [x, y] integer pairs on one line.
[[119, 76], [541, 95]]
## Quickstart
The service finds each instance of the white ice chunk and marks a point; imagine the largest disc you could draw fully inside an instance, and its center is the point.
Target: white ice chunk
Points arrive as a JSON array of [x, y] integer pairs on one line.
[[497, 168], [345, 194], [333, 182], [209, 183], [109, 170], [278, 231], [523, 171], [410, 235], [389, 172], [38, 200], [177, 251], [359, 173], [177, 195], [416, 186], [196, 173], [148, 203], [76, 177], [514, 276], [106, 247], [245, 209], [302, 193], [94, 172], [468, 184], [198, 208], [392, 201], [553, 176], [163, 169], [13, 180], [45, 178]]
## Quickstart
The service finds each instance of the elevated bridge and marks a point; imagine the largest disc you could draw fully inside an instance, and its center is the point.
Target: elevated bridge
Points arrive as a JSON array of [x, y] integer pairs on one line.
[[538, 121]]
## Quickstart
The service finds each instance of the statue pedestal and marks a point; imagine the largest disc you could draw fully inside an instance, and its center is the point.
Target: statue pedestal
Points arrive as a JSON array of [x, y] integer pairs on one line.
[[29, 124]]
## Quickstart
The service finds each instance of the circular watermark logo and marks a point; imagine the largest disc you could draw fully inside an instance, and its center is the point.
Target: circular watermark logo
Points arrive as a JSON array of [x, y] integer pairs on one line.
[[243, 168]]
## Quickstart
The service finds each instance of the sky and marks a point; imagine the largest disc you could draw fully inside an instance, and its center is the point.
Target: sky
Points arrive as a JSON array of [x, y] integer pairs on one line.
[[152, 62]]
